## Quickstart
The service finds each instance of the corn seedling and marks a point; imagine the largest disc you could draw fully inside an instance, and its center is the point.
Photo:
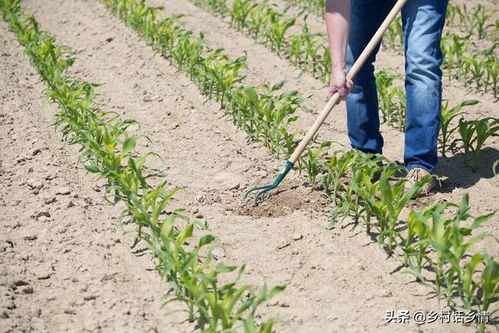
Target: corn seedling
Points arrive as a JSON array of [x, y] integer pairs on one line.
[[453, 49], [394, 36], [336, 168], [417, 245], [451, 242], [492, 70], [473, 134], [316, 6], [240, 11], [479, 21], [446, 131], [312, 163], [278, 27], [392, 100]]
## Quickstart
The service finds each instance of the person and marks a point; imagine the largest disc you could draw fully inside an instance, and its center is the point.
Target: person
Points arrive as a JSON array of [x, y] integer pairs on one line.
[[350, 25]]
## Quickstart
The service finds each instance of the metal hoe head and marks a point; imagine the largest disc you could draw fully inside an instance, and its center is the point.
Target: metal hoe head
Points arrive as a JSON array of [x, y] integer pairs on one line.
[[265, 188]]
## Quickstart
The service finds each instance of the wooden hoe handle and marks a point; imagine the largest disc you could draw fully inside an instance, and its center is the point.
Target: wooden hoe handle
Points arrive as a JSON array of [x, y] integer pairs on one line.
[[351, 74]]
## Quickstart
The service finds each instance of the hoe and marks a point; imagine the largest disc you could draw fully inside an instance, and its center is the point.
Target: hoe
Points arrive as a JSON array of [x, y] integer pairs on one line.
[[288, 165]]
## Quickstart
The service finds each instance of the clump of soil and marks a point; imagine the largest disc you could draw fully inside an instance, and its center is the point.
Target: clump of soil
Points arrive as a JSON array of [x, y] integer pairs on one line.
[[282, 202]]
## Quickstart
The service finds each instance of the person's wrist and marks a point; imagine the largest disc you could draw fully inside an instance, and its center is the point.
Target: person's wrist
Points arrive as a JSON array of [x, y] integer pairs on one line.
[[338, 67]]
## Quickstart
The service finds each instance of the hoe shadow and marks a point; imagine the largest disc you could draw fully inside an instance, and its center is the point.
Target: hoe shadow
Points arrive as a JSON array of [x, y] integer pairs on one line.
[[460, 175]]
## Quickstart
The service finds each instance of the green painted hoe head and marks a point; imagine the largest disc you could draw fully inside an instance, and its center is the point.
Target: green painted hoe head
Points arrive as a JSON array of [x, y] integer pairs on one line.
[[265, 188]]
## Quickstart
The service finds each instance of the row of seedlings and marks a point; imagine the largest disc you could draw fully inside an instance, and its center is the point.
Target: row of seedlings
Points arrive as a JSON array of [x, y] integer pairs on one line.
[[108, 150], [432, 239]]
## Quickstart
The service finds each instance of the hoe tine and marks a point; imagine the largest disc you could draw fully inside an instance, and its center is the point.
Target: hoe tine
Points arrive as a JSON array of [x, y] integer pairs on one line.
[[265, 188], [262, 190]]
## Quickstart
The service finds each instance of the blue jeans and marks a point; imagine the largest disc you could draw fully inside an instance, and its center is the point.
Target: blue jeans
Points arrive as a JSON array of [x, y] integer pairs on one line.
[[423, 21]]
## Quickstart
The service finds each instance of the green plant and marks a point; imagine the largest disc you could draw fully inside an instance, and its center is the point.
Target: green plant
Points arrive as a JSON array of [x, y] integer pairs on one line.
[[394, 36], [448, 116], [479, 21], [417, 245], [240, 11], [392, 100], [453, 49], [312, 163], [473, 134], [278, 26], [386, 200], [336, 168], [492, 70], [451, 242]]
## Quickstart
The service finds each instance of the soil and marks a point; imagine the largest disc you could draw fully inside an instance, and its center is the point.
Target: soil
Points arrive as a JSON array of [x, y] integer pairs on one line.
[[67, 266]]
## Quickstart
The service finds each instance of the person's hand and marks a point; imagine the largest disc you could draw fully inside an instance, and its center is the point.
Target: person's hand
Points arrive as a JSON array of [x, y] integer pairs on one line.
[[340, 84]]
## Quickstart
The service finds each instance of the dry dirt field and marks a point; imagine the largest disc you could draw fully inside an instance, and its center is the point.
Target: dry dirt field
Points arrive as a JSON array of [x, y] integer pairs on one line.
[[65, 265]]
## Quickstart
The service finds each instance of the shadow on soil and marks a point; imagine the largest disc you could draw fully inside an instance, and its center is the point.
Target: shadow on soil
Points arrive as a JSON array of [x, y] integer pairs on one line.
[[458, 175]]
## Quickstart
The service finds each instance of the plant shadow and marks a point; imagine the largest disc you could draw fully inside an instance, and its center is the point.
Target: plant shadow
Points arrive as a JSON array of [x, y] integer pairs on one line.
[[458, 175]]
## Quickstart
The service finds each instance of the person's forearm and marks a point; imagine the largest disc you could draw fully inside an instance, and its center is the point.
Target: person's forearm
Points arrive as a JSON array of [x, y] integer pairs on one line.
[[337, 21]]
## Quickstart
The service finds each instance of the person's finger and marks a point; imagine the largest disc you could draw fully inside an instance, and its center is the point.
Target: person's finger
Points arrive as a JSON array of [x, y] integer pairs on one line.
[[341, 93], [332, 90], [349, 85]]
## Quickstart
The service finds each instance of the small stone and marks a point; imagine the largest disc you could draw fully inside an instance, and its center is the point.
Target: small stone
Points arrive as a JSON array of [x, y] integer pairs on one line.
[[34, 184], [297, 236], [89, 297], [38, 215], [63, 191], [234, 186], [200, 198], [69, 311], [50, 200], [44, 276], [283, 244], [199, 216], [274, 303], [43, 271], [27, 290], [19, 283], [31, 237]]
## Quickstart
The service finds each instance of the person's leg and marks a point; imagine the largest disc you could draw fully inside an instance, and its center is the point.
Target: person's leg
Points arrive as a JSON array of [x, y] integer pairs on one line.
[[423, 21], [362, 102]]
